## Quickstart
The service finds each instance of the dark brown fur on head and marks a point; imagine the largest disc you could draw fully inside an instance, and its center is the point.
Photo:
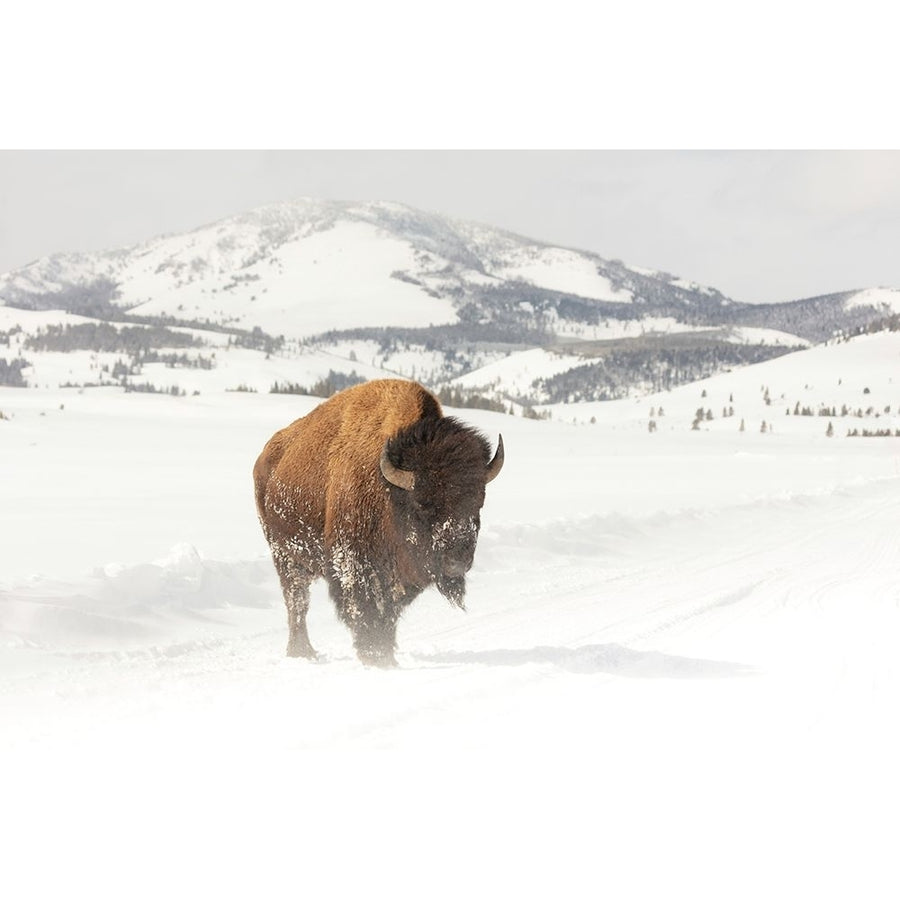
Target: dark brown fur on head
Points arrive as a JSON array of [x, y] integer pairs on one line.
[[441, 443], [440, 515]]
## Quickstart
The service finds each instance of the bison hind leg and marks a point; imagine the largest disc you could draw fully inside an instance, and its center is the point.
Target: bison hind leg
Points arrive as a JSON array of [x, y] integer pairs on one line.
[[297, 603], [298, 645], [295, 582]]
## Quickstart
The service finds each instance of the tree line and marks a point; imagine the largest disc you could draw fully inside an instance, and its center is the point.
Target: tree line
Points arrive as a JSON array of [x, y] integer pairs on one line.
[[102, 337], [11, 372], [619, 371]]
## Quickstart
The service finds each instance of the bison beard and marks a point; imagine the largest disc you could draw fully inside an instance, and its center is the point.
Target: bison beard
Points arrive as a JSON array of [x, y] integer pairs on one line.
[[380, 493], [453, 588]]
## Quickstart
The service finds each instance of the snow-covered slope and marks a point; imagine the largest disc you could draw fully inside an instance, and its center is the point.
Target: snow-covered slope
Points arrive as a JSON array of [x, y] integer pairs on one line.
[[677, 673], [310, 266], [288, 293], [293, 271], [853, 384], [887, 299]]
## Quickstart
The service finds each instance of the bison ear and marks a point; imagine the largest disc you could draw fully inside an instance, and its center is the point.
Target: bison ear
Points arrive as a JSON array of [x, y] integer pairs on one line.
[[400, 478], [496, 464]]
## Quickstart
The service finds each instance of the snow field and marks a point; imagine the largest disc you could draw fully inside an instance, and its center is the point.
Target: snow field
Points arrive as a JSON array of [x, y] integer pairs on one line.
[[677, 672]]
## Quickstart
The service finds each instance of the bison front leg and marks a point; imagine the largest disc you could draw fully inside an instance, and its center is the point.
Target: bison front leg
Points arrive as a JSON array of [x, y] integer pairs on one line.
[[371, 614], [295, 582], [375, 640]]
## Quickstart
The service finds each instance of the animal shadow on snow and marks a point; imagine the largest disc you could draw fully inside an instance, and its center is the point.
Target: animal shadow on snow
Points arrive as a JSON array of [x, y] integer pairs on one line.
[[594, 659]]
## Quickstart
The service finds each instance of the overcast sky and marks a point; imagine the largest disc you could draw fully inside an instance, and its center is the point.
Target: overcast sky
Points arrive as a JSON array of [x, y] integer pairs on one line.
[[758, 225]]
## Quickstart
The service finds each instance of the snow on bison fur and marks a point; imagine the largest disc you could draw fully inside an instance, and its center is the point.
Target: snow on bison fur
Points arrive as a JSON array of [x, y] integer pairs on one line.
[[379, 492]]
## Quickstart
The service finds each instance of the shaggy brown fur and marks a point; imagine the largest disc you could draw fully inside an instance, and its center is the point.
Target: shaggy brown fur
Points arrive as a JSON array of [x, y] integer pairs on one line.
[[328, 508]]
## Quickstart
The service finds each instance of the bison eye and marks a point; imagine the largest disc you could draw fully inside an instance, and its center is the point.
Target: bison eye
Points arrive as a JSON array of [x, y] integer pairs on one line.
[[424, 505]]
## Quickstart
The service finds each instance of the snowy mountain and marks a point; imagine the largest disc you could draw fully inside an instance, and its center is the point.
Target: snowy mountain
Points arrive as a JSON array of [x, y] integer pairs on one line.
[[306, 267], [288, 294]]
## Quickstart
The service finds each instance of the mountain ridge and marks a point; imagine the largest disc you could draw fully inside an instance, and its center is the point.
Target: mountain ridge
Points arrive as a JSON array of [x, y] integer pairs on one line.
[[388, 282]]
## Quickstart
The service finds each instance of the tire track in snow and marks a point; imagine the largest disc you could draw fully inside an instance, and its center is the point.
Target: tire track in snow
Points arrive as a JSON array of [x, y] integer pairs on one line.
[[700, 572]]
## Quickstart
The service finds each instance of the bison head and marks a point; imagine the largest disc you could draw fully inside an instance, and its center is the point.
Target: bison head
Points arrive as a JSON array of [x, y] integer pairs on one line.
[[440, 467]]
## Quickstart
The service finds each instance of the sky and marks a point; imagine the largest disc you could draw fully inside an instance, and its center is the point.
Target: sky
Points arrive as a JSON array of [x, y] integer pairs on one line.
[[556, 101], [759, 225]]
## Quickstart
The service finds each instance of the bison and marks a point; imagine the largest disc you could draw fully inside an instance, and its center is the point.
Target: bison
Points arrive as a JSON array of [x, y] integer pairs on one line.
[[379, 492]]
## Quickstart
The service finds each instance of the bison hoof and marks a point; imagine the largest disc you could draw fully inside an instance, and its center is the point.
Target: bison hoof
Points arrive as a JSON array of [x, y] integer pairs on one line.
[[301, 652], [377, 660]]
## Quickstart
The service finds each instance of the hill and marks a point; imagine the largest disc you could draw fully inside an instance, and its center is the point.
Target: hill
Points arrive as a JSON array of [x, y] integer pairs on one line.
[[294, 294]]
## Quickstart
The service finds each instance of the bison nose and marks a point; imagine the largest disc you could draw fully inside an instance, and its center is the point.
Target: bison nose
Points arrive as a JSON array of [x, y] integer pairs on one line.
[[453, 568], [456, 564]]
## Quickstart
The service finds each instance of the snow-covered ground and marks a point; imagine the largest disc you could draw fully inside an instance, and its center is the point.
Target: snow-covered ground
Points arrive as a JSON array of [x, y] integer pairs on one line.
[[677, 676]]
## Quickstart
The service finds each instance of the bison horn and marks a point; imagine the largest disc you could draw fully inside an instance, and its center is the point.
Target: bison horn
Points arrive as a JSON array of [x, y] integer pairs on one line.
[[496, 464], [401, 478]]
